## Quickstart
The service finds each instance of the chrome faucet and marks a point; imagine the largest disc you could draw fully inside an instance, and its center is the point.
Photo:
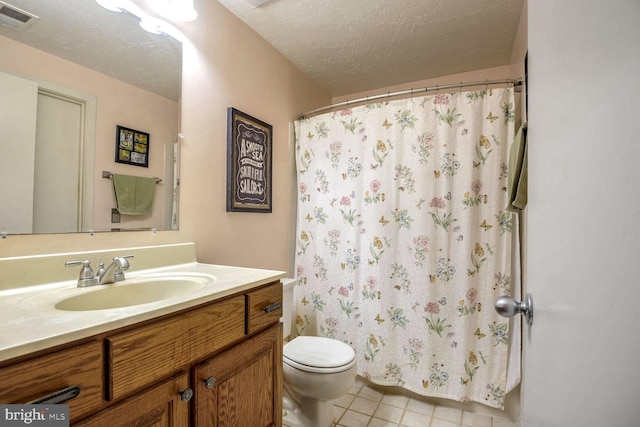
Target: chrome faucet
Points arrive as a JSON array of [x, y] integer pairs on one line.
[[115, 271]]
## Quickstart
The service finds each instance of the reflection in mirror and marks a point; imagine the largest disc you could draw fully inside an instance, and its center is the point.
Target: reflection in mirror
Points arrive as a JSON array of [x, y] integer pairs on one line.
[[68, 76]]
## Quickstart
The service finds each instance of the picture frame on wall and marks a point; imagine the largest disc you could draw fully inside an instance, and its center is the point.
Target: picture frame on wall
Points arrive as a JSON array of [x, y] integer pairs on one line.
[[132, 147], [249, 176]]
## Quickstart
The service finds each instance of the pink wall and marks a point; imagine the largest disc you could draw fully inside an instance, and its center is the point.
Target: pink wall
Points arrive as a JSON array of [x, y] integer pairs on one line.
[[495, 73], [226, 64]]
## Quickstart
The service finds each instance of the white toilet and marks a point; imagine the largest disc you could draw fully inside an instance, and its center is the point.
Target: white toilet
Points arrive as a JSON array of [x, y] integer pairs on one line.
[[317, 370]]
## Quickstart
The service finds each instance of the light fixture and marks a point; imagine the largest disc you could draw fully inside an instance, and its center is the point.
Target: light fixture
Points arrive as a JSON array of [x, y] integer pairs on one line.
[[113, 5], [152, 25], [178, 10], [148, 23]]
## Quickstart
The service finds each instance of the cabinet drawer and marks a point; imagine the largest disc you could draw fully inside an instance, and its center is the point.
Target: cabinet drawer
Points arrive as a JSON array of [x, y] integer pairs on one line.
[[80, 366], [264, 307], [159, 406], [139, 357]]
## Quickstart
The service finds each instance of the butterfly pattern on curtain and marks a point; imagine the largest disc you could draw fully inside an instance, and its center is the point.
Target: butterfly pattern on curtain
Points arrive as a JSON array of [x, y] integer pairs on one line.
[[404, 240]]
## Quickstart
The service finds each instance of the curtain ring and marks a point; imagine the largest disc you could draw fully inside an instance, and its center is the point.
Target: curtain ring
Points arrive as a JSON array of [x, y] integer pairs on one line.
[[437, 87], [460, 90]]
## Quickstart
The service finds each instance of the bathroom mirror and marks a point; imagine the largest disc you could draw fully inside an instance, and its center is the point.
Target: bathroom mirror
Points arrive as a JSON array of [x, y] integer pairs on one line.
[[130, 59]]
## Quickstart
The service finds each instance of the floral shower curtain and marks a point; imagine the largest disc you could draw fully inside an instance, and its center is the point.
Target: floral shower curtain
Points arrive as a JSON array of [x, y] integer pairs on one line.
[[404, 241]]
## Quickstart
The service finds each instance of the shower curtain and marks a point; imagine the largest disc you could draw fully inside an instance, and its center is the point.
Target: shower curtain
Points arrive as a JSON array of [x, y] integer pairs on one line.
[[404, 240]]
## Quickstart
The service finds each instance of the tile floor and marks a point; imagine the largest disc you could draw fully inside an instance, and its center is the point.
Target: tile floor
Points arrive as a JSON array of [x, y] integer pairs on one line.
[[364, 406]]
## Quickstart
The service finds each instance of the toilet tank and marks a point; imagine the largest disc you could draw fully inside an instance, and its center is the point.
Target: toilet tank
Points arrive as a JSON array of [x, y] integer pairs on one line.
[[287, 306]]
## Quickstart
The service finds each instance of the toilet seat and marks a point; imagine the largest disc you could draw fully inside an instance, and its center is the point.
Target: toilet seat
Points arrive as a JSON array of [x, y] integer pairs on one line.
[[318, 355]]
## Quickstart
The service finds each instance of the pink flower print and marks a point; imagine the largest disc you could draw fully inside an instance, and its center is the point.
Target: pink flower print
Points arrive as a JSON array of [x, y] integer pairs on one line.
[[437, 202], [345, 201], [476, 186], [421, 242], [372, 281], [346, 112], [472, 294], [343, 291], [432, 307], [299, 271], [425, 138], [375, 185], [303, 188], [334, 234], [441, 98]]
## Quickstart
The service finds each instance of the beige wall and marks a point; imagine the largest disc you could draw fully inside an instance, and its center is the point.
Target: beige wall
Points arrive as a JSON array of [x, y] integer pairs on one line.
[[118, 103]]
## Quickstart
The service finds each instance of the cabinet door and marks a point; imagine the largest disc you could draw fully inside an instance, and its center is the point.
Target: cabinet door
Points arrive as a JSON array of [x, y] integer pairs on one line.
[[160, 406], [242, 386]]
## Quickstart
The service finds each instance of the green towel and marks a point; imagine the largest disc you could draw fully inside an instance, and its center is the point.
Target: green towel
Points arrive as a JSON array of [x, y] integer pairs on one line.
[[517, 179], [134, 194]]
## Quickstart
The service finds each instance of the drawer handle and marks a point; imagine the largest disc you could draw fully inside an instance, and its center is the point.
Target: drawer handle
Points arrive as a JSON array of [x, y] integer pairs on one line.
[[186, 395], [60, 396], [272, 307]]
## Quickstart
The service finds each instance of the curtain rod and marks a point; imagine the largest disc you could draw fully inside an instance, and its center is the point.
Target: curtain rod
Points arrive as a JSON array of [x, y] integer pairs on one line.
[[516, 83]]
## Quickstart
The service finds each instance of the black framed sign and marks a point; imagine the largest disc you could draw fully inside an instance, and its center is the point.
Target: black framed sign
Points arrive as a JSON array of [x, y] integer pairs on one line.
[[249, 143], [132, 147]]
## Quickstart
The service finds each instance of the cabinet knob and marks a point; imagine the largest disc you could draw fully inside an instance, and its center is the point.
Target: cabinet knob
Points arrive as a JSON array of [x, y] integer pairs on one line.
[[209, 382], [186, 395]]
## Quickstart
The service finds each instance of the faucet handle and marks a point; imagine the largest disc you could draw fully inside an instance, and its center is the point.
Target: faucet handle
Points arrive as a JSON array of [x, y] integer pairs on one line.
[[123, 263], [87, 277]]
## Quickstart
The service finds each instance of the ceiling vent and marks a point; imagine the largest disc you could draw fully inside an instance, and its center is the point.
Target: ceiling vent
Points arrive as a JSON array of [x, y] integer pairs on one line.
[[15, 18]]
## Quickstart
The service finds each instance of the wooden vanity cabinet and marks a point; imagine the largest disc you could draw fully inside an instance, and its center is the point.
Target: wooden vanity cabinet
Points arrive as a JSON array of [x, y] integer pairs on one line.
[[153, 374]]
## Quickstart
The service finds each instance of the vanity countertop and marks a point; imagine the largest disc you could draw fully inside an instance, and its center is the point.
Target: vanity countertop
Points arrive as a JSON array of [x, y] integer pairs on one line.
[[30, 322]]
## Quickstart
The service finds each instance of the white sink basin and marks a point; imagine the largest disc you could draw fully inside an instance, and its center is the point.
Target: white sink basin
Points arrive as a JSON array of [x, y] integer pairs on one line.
[[135, 291]]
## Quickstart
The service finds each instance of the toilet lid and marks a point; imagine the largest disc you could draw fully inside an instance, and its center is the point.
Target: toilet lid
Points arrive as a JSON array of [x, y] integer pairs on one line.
[[318, 352]]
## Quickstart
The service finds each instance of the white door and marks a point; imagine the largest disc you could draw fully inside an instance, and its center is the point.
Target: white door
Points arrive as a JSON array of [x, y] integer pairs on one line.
[[18, 103], [582, 354], [58, 182]]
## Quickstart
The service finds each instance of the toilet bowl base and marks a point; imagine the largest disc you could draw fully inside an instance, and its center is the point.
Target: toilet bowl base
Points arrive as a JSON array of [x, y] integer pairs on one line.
[[310, 413]]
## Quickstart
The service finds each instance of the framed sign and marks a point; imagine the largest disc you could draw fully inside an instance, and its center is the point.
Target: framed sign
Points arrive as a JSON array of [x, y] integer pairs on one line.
[[132, 147], [249, 143]]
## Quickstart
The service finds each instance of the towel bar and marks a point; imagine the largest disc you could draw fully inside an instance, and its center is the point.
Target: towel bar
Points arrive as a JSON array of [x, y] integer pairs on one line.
[[107, 174]]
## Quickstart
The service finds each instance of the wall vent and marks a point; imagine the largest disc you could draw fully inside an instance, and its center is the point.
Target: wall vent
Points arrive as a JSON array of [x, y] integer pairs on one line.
[[15, 18]]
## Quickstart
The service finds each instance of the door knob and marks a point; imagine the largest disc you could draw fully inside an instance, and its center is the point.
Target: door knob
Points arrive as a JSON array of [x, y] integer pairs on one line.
[[508, 307]]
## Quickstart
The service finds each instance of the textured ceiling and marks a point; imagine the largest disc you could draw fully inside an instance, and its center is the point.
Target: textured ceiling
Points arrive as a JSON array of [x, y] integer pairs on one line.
[[113, 43], [351, 46]]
